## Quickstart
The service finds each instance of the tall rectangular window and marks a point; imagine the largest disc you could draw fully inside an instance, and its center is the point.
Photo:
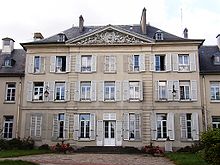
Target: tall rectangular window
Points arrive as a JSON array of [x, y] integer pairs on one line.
[[183, 62], [61, 119], [60, 63], [161, 125], [10, 91], [86, 63], [110, 64], [215, 90], [160, 62], [109, 90], [38, 64], [162, 85], [8, 127], [189, 125], [136, 63], [84, 125], [85, 90], [215, 121], [38, 91], [60, 91], [184, 90], [131, 126], [134, 90]]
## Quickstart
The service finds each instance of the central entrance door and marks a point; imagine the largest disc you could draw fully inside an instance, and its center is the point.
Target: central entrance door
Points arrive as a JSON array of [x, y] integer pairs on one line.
[[109, 133]]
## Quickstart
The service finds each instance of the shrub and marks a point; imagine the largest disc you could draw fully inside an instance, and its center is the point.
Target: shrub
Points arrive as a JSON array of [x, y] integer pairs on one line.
[[16, 143], [62, 148], [44, 147], [153, 150], [193, 148]]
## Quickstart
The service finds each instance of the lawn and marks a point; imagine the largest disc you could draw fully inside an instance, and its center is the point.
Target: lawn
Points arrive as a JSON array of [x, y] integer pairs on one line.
[[186, 158], [16, 162]]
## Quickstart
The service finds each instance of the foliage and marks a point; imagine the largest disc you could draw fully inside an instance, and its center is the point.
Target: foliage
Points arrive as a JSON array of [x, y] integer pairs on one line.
[[17, 143], [16, 162], [62, 148], [44, 147], [193, 148], [211, 141], [153, 150]]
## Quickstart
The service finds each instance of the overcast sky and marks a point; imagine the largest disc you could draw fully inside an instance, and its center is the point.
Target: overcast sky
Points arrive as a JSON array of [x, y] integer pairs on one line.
[[20, 19]]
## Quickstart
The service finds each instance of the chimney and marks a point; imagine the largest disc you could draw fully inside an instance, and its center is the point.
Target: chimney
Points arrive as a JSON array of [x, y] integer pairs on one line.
[[185, 33], [81, 22], [218, 41], [38, 36], [143, 22], [7, 45]]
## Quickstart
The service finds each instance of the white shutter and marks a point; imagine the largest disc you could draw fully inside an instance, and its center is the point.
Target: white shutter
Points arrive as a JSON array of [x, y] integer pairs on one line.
[[67, 91], [66, 127], [93, 69], [77, 91], [170, 125], [99, 133], [170, 90], [125, 90], [52, 63], [175, 62], [183, 127], [156, 90], [101, 91], [76, 127], [192, 58], [114, 64], [78, 63], [126, 126], [141, 91], [193, 90], [68, 63], [29, 90], [153, 126], [55, 134], [195, 126], [118, 91], [142, 63], [118, 133], [38, 125], [92, 126], [51, 90], [30, 64], [176, 88], [42, 64], [152, 63], [130, 63], [93, 91], [168, 62], [137, 127], [32, 127]]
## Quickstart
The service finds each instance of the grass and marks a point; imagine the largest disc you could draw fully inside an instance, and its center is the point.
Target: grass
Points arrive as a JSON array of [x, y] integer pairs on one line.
[[181, 158], [16, 162], [16, 153]]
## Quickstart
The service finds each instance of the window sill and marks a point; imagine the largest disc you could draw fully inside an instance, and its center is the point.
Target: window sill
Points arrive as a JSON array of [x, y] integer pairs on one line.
[[186, 140], [60, 101], [9, 102], [109, 101], [85, 101], [134, 100], [38, 73], [84, 140], [163, 140], [64, 72], [215, 101], [110, 72], [37, 101]]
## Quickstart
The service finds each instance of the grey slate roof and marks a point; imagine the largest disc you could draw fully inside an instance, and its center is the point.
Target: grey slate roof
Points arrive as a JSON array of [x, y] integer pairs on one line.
[[18, 69], [206, 54]]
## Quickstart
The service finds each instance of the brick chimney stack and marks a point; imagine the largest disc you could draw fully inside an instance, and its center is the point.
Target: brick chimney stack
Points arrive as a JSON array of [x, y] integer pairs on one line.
[[38, 36], [7, 45], [185, 33], [81, 23], [143, 22]]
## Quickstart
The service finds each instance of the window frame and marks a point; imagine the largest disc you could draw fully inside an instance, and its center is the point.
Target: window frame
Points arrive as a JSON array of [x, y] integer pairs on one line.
[[162, 65], [86, 65], [40, 91], [10, 95], [87, 85], [217, 123], [86, 128], [61, 125], [134, 88], [182, 65], [8, 133], [110, 64], [214, 89], [108, 87], [60, 87], [183, 88], [161, 128], [162, 91]]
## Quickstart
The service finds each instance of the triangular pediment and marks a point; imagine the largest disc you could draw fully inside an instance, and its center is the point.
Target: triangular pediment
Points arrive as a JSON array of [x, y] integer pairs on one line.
[[110, 35]]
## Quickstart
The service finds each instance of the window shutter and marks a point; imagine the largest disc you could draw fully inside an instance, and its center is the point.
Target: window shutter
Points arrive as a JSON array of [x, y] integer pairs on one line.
[[92, 126], [76, 127], [29, 90], [68, 63], [193, 90], [67, 91], [126, 126], [66, 127], [44, 126], [78, 63], [106, 64], [175, 62], [125, 63], [101, 91], [42, 64], [169, 90], [170, 125], [183, 127], [32, 127], [51, 90], [52, 63], [55, 134], [125, 90], [27, 124], [156, 91], [176, 88], [195, 126], [137, 127], [118, 91], [168, 62], [142, 63], [153, 126], [141, 92], [99, 133], [118, 133], [77, 91], [93, 91], [93, 69], [71, 125], [130, 63], [30, 64], [38, 125], [192, 58], [152, 63], [114, 64]]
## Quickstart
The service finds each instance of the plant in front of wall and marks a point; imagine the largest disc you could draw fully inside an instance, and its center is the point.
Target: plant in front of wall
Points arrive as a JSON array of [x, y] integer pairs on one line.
[[153, 150], [62, 148]]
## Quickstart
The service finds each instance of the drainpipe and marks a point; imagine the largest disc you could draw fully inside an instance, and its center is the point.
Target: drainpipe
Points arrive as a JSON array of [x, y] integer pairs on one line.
[[18, 109], [204, 102]]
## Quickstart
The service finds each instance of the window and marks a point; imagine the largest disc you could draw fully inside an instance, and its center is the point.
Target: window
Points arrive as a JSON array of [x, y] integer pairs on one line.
[[6, 42], [60, 63], [161, 125], [134, 89], [38, 91], [216, 60], [61, 125], [110, 64], [86, 63], [35, 129], [162, 90], [8, 127], [38, 64], [189, 125], [184, 90], [215, 90], [85, 91], [216, 121], [134, 126], [10, 91], [183, 62], [60, 91], [84, 125], [109, 91], [136, 63], [159, 35], [160, 62]]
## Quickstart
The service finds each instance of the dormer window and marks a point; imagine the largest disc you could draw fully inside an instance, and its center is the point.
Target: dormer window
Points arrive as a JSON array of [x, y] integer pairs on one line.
[[61, 37], [159, 35], [216, 60], [9, 62]]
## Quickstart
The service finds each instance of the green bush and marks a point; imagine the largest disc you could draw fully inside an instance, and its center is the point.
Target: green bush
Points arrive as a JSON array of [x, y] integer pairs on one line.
[[17, 143], [194, 148], [44, 147]]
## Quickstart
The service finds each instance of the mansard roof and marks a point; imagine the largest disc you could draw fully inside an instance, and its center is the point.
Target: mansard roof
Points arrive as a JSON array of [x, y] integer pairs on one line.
[[206, 60], [18, 67]]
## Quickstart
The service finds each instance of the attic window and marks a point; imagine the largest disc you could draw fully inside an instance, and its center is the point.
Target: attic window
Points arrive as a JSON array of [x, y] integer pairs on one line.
[[9, 62], [61, 37], [216, 60], [159, 35], [6, 42]]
